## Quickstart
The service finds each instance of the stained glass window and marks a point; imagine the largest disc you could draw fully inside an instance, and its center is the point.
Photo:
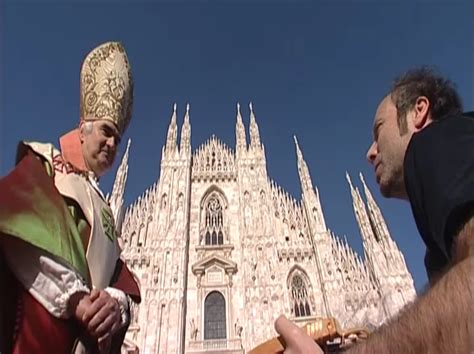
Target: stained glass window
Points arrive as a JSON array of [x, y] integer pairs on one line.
[[214, 222], [299, 296]]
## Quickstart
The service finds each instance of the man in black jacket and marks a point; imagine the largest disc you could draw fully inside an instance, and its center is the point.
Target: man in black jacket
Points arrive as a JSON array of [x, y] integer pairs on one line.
[[423, 152]]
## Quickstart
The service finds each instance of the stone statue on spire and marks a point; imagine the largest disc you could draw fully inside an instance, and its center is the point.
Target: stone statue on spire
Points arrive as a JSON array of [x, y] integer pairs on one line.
[[185, 146], [172, 134], [240, 137], [254, 131]]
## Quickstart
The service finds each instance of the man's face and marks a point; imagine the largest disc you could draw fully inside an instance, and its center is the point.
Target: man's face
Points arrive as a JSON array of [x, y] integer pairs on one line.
[[387, 152], [99, 145]]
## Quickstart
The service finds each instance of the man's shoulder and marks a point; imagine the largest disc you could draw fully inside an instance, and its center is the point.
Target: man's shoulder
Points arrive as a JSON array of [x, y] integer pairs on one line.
[[46, 150], [444, 133], [451, 122], [442, 143], [438, 177]]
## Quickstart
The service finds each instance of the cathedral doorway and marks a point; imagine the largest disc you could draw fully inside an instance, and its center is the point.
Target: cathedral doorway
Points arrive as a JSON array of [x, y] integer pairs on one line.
[[214, 316]]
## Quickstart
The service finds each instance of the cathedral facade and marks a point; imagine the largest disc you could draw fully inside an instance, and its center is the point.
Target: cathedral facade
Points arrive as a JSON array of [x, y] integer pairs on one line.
[[220, 250]]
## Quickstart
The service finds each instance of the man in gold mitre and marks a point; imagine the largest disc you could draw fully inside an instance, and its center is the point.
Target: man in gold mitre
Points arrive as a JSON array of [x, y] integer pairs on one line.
[[67, 289]]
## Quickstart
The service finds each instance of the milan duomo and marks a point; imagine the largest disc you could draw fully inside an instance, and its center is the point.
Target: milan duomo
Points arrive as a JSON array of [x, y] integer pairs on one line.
[[220, 250]]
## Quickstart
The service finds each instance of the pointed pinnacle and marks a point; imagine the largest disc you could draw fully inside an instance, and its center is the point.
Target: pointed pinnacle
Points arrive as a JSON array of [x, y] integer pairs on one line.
[[173, 115], [299, 154], [361, 176], [253, 121], [239, 115], [186, 116], [348, 178]]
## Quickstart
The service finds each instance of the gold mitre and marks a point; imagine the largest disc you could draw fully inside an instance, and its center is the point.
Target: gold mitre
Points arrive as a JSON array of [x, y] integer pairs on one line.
[[107, 85]]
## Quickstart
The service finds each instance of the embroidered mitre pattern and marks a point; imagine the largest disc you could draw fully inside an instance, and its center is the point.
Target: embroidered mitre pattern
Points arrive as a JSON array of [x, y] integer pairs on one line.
[[107, 85]]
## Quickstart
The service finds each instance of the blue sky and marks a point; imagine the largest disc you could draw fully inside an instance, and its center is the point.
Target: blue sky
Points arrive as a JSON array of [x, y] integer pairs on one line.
[[314, 69]]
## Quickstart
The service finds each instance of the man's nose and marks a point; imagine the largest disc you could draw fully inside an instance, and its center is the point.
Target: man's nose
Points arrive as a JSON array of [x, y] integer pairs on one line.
[[372, 153], [111, 142]]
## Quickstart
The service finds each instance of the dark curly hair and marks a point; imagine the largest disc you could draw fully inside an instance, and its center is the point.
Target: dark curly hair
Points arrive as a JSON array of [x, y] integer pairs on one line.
[[424, 81]]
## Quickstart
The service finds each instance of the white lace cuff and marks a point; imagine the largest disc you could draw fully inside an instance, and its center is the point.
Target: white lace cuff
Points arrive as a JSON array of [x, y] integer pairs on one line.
[[122, 299], [62, 302], [47, 280]]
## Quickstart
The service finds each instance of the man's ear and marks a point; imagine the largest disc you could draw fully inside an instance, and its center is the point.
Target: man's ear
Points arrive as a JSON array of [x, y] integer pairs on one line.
[[422, 113], [81, 131]]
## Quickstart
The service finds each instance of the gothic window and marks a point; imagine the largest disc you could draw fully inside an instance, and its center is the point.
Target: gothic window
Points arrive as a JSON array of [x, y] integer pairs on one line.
[[132, 238], [374, 229], [214, 229], [282, 209], [299, 296], [163, 201], [214, 316]]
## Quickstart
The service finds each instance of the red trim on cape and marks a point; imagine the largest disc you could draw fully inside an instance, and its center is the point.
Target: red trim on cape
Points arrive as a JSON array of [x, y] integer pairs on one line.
[[126, 282]]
